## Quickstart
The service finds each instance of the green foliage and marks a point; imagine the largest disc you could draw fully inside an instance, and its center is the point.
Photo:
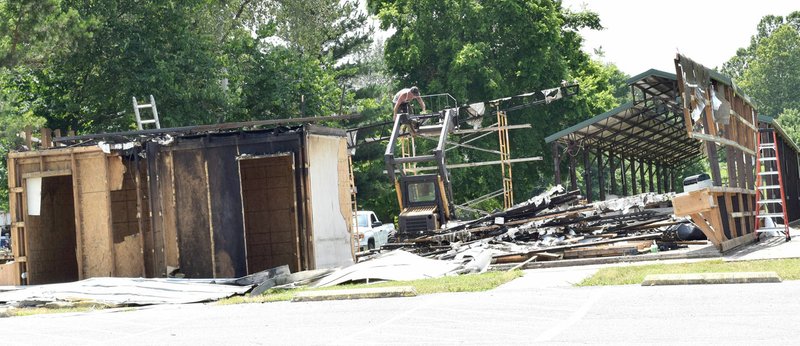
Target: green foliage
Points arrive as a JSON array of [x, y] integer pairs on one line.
[[282, 82], [324, 27], [767, 69], [33, 31], [71, 64], [790, 123]]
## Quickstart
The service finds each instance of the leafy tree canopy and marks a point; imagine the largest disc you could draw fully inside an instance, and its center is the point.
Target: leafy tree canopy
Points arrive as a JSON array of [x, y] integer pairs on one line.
[[481, 50], [767, 69]]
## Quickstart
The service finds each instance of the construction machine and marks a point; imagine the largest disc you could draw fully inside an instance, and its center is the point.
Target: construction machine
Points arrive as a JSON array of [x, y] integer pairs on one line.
[[426, 199]]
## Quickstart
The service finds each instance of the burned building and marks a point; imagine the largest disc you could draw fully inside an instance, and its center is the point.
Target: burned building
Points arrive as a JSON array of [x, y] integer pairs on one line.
[[204, 202], [673, 121]]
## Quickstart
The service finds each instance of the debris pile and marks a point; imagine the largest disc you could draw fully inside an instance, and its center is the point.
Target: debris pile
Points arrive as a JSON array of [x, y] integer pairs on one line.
[[555, 225], [111, 292]]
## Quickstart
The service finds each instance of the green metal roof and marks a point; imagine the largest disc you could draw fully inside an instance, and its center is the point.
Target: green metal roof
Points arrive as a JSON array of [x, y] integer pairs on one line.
[[651, 128], [776, 125], [587, 122], [651, 72]]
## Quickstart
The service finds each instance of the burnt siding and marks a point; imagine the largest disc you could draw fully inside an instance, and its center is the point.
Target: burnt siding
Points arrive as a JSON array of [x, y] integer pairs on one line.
[[226, 211], [205, 168], [191, 199], [789, 174]]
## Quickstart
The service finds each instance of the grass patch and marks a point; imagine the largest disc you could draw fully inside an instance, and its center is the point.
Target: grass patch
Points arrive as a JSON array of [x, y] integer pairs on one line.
[[787, 269], [40, 311], [460, 283]]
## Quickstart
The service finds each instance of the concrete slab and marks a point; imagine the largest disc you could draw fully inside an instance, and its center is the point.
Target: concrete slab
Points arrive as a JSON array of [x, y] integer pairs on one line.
[[360, 293], [710, 278], [769, 248]]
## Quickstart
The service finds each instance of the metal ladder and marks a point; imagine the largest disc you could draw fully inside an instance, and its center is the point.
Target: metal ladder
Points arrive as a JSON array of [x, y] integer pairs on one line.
[[769, 182], [152, 105]]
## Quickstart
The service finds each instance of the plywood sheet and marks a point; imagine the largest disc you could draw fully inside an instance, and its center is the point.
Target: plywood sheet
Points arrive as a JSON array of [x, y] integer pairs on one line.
[[191, 204], [128, 256], [94, 215], [116, 172], [693, 202], [269, 205], [167, 239], [330, 229], [8, 274], [226, 211]]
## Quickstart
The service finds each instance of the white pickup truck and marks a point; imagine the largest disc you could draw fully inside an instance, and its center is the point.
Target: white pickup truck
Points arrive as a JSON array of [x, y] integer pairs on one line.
[[371, 232]]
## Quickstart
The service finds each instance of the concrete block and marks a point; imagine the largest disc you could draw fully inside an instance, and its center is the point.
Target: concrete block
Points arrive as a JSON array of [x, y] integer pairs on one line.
[[359, 293], [710, 278]]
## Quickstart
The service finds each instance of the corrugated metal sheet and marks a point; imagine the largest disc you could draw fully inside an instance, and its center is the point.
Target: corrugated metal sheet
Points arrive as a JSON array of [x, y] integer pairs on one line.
[[127, 291]]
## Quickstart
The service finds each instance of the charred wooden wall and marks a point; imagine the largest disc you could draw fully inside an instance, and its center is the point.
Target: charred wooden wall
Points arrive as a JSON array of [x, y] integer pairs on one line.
[[791, 176], [201, 202], [119, 214]]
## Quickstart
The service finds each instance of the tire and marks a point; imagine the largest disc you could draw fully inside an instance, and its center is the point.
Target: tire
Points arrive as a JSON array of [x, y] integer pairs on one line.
[[371, 244]]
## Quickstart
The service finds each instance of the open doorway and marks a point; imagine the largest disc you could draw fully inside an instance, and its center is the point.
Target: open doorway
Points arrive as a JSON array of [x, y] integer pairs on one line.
[[269, 205], [51, 234]]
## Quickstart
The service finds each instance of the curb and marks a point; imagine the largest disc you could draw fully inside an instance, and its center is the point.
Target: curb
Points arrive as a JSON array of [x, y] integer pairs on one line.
[[361, 293], [710, 278]]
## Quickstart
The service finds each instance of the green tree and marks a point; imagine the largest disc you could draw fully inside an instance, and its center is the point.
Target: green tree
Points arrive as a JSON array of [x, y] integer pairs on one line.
[[790, 122], [481, 50], [73, 64], [31, 33], [766, 70]]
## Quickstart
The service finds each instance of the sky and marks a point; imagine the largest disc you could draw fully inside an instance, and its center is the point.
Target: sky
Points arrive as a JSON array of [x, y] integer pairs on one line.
[[644, 34]]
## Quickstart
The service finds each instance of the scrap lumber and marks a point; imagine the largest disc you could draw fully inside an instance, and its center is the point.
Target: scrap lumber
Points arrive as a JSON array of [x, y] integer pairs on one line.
[[601, 252], [557, 225]]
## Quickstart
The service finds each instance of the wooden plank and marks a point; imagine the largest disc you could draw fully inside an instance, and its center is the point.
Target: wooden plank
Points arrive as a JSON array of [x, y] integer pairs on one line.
[[45, 138], [601, 252], [108, 214], [55, 152], [574, 246], [154, 251], [346, 195], [77, 206], [307, 232], [712, 234], [687, 118], [28, 137], [165, 220], [93, 201], [116, 172], [43, 174], [731, 244], [729, 215], [140, 210], [693, 202], [723, 141], [531, 259]]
